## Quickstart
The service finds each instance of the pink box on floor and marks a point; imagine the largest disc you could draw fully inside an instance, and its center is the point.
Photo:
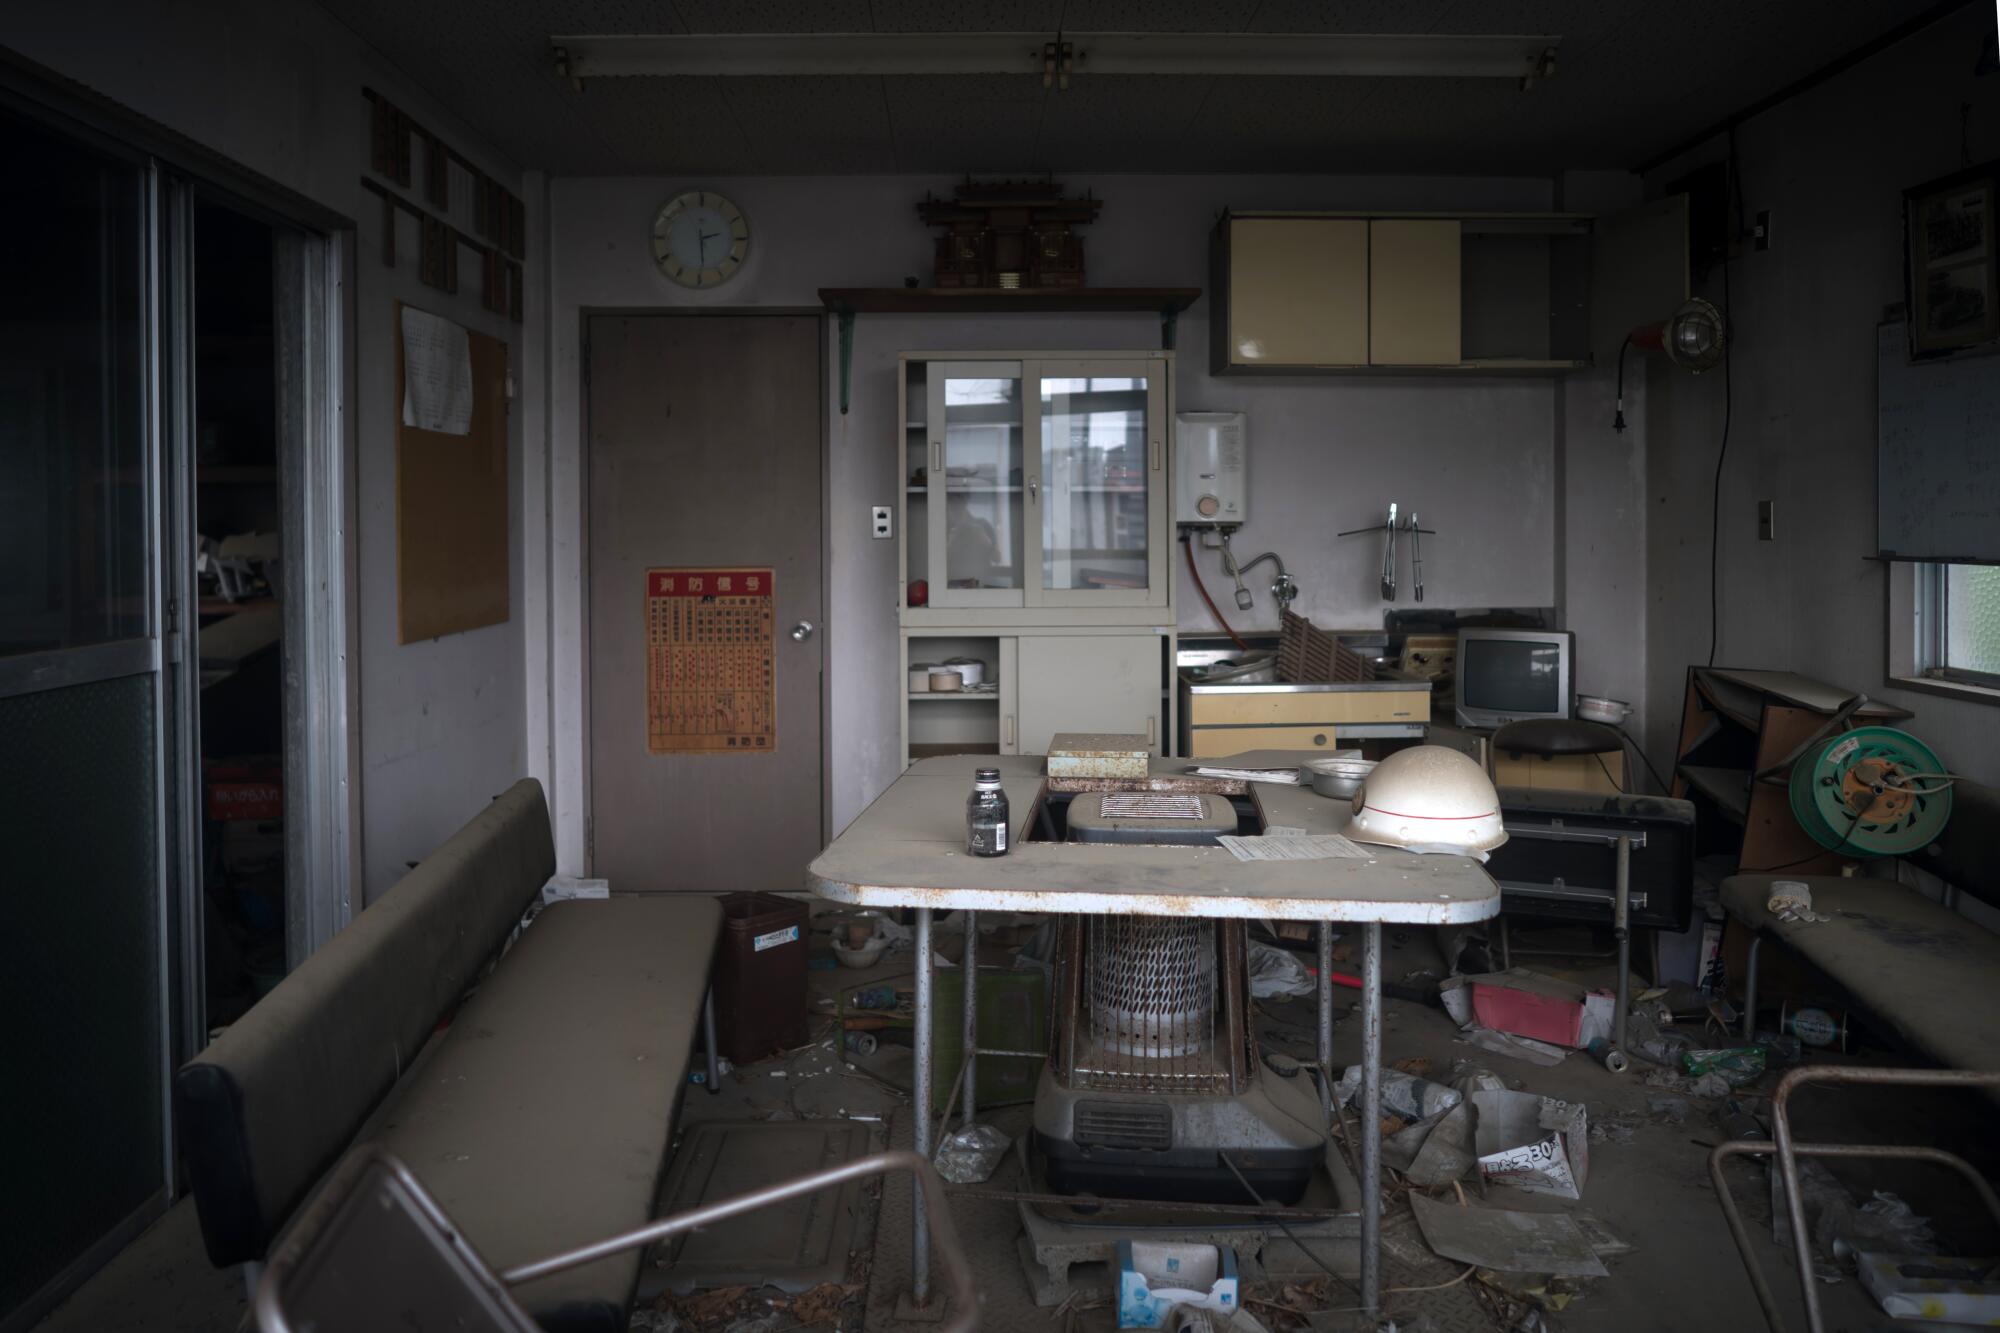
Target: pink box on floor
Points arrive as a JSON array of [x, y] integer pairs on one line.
[[1529, 1005]]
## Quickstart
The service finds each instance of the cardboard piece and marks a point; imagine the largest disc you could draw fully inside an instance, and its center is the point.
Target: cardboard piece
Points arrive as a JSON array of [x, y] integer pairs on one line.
[[1507, 1241], [1533, 1143], [1932, 1287]]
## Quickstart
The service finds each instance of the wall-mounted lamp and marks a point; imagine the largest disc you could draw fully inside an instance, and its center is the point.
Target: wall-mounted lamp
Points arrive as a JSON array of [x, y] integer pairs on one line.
[[1693, 338]]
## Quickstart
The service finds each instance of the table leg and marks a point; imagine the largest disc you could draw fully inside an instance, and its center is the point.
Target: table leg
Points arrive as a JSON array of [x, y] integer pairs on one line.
[[920, 1242], [1621, 923], [1371, 1117], [970, 1047], [708, 1039], [1326, 999]]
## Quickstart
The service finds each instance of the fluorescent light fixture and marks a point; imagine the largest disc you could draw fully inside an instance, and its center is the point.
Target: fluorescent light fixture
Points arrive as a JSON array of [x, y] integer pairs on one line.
[[722, 55]]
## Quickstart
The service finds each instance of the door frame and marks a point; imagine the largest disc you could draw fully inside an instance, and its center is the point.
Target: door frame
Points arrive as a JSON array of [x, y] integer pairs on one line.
[[319, 446], [827, 632]]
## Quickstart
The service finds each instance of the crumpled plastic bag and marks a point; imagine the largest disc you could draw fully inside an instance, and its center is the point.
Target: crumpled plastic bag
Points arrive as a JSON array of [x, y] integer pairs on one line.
[[1275, 971], [1737, 1065], [969, 1156], [1791, 900], [1403, 1094]]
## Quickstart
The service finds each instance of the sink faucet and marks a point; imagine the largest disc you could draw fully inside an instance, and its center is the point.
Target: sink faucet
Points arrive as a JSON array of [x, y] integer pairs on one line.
[[1283, 587]]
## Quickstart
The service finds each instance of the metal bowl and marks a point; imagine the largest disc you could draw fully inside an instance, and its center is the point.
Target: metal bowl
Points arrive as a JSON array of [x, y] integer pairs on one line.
[[1339, 779]]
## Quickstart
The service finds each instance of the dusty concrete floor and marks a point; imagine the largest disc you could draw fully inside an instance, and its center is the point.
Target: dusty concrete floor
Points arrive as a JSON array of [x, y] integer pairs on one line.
[[1648, 1184]]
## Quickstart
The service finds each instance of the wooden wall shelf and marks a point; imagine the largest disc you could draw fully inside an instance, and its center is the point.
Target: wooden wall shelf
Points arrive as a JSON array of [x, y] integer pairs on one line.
[[844, 303]]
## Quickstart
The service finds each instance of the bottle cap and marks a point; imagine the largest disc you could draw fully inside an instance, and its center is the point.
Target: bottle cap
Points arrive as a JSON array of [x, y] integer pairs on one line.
[[986, 775]]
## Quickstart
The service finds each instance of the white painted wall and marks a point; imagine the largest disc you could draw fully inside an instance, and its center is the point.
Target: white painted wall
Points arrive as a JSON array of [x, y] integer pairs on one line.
[[276, 86], [1831, 164], [1477, 458]]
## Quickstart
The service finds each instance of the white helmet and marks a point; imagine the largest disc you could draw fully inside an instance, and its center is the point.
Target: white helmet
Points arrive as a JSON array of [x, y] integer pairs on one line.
[[1428, 797]]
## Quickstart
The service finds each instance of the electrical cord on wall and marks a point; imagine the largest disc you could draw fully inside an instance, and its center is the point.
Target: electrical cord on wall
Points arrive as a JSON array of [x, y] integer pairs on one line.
[[1721, 457]]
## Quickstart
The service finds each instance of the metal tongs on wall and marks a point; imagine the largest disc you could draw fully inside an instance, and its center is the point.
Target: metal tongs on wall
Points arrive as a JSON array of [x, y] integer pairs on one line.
[[1389, 527]]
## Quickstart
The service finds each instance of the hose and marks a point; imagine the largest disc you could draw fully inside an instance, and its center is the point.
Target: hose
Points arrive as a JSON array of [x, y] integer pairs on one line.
[[1187, 545]]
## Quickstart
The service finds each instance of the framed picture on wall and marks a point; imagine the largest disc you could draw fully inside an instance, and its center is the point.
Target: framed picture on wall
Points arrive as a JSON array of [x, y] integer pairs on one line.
[[1953, 277]]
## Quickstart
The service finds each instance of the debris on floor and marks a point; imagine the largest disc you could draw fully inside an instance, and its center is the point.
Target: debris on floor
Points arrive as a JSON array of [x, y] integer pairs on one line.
[[967, 1156], [1932, 1288], [1514, 1242], [1532, 1143]]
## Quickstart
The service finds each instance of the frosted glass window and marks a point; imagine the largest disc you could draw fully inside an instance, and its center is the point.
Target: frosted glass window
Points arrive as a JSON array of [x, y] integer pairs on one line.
[[1972, 618]]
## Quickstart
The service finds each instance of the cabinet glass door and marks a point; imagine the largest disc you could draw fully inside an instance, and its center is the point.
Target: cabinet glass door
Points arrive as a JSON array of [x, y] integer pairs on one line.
[[1101, 483], [978, 418]]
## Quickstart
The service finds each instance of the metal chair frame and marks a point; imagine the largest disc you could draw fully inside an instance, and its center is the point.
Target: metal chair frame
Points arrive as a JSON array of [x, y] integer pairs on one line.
[[269, 1301], [1788, 1151]]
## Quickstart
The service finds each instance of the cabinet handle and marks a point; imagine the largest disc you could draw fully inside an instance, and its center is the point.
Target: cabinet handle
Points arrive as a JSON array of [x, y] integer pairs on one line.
[[1156, 455], [937, 456], [1152, 726], [1034, 490], [1008, 736], [1320, 739]]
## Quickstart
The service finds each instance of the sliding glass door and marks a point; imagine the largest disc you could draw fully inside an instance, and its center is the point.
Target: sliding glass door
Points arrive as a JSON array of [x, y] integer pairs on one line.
[[83, 811]]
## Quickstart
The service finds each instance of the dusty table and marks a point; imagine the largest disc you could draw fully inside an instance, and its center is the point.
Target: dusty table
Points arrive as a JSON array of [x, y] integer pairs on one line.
[[908, 850]]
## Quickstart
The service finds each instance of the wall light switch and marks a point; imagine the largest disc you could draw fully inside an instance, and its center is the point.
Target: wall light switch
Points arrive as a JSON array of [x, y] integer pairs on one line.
[[1767, 520], [882, 521]]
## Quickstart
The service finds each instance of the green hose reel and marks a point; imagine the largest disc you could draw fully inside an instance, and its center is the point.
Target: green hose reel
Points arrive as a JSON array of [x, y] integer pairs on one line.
[[1873, 791]]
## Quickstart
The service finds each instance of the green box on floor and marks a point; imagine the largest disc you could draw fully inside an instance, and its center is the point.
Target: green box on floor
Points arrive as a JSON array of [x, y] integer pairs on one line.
[[1013, 1016]]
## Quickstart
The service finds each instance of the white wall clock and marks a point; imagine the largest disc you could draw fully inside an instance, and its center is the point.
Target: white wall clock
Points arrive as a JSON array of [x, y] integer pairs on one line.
[[700, 238]]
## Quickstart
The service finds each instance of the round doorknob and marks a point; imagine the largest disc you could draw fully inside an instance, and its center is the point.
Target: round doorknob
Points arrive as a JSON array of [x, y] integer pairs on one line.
[[802, 631]]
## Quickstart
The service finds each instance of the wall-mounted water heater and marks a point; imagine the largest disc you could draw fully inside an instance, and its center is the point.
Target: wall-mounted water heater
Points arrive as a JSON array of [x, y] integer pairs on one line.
[[1211, 480]]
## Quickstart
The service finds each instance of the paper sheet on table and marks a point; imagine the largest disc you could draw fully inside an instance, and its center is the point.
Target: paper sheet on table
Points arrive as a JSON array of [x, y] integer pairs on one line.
[[1290, 777], [437, 374], [1311, 847]]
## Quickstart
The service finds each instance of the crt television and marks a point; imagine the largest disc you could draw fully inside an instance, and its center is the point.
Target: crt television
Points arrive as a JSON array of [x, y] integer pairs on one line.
[[1505, 675]]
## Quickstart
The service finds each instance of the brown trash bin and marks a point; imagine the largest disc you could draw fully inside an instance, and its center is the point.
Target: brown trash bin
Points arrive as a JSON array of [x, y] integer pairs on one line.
[[760, 976]]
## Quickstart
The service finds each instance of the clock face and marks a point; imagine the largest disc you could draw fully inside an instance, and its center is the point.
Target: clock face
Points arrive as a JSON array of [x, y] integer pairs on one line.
[[700, 238]]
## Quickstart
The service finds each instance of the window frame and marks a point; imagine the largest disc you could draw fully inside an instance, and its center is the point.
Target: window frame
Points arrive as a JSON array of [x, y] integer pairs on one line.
[[1918, 631]]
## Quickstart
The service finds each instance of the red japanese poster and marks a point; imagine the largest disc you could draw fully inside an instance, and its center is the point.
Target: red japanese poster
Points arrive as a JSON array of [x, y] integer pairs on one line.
[[711, 686]]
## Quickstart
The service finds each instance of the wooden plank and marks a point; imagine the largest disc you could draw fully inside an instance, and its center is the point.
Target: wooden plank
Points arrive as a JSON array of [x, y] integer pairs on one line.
[[1003, 300], [451, 507]]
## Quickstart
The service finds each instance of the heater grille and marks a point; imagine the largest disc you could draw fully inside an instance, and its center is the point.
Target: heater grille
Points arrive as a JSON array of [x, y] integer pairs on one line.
[[1143, 1125], [1149, 997]]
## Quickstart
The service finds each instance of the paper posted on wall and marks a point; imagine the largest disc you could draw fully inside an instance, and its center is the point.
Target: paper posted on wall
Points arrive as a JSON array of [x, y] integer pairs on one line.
[[437, 374]]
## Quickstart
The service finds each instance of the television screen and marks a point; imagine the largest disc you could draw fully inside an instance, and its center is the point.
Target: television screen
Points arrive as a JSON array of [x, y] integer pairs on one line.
[[1511, 676]]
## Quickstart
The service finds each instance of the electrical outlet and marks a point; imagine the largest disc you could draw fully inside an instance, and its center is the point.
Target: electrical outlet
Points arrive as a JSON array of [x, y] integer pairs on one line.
[[883, 526], [1767, 520], [1760, 230]]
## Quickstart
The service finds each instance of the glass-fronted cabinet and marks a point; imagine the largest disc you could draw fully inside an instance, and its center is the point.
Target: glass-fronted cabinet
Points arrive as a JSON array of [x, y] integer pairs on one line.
[[1037, 483], [978, 416]]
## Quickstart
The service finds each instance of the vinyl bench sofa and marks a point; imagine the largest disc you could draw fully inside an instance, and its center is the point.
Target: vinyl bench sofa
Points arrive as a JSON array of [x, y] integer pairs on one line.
[[1917, 966], [537, 1111]]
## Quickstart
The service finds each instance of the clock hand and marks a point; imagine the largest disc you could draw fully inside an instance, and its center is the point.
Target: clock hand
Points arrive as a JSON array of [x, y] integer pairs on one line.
[[706, 237]]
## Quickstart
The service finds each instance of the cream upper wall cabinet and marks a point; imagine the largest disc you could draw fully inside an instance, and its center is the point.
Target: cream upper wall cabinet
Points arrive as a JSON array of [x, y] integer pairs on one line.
[[1413, 292], [1297, 291], [1357, 293]]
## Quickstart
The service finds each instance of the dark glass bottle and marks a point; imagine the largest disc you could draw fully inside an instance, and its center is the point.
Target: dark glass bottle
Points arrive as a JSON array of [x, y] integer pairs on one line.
[[986, 815]]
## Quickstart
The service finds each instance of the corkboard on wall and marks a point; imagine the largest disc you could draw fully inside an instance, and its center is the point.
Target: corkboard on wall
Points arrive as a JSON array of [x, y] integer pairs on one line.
[[451, 507]]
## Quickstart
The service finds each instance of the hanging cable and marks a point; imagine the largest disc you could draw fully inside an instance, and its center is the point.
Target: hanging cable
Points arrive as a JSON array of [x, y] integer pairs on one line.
[[1187, 545], [1715, 503], [1618, 417]]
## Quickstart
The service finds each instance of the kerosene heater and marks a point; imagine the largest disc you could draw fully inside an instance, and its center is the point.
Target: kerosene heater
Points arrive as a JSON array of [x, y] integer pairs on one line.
[[1154, 1088]]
